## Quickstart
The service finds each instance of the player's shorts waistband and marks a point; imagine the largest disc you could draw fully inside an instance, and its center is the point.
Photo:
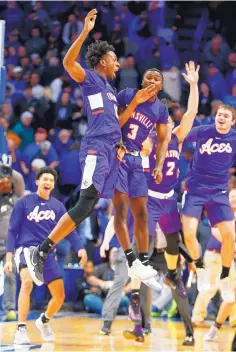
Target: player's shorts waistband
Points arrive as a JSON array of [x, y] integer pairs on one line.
[[133, 152], [159, 195]]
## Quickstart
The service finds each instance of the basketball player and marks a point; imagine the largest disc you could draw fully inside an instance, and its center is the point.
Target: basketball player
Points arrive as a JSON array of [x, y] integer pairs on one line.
[[206, 186], [212, 262], [98, 152], [33, 216], [131, 186]]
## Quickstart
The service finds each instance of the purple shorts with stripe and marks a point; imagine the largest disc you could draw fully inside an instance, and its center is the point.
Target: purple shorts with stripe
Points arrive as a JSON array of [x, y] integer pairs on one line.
[[131, 178], [52, 270], [165, 212], [216, 203], [99, 165]]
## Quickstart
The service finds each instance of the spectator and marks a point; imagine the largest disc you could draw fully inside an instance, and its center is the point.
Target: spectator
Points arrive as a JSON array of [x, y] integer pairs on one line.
[[117, 40], [48, 154], [25, 64], [128, 76], [70, 28], [230, 77], [80, 122], [37, 89], [36, 44], [32, 150], [52, 70], [32, 22], [21, 51], [13, 39], [7, 113], [230, 99], [13, 16], [17, 81], [10, 56], [216, 82], [64, 109], [37, 64], [63, 142], [205, 99], [15, 154], [23, 130], [28, 103], [217, 50], [42, 14]]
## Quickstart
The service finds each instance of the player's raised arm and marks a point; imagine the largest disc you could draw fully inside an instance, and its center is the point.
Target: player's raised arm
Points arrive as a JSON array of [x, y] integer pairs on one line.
[[75, 70], [187, 121]]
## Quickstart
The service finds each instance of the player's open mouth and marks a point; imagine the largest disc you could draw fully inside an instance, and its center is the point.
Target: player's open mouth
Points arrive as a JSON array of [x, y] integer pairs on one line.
[[46, 188]]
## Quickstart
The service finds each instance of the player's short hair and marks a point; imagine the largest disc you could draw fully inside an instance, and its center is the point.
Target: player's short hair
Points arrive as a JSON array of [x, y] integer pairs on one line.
[[154, 70], [46, 170], [230, 108], [96, 51]]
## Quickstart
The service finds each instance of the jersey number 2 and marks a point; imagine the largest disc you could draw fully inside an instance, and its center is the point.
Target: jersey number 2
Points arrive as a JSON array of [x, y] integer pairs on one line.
[[133, 132], [171, 166]]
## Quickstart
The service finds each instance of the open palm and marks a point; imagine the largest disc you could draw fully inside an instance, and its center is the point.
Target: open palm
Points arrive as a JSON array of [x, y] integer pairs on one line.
[[192, 76]]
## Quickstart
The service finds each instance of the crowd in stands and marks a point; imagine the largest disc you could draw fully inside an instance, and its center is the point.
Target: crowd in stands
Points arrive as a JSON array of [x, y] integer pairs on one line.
[[43, 112]]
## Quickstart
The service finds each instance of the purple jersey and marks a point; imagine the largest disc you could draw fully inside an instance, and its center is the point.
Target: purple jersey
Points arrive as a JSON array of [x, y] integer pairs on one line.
[[100, 105], [32, 219], [170, 167], [142, 121], [214, 154]]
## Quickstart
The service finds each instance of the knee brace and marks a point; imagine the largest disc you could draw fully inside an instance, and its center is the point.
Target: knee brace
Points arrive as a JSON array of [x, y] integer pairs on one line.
[[172, 240], [85, 205]]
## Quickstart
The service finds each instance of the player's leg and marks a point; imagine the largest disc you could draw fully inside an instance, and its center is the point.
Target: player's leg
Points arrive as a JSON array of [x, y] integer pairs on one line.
[[212, 263], [222, 315], [221, 215], [112, 301], [21, 336], [57, 291]]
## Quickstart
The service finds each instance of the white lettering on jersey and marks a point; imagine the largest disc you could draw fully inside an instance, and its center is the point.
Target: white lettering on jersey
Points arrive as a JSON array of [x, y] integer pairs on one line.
[[111, 96], [210, 148], [41, 215], [172, 154], [144, 120]]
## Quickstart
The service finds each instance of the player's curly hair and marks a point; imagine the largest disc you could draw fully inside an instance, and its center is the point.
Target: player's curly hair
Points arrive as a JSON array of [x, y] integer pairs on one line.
[[171, 105], [96, 51]]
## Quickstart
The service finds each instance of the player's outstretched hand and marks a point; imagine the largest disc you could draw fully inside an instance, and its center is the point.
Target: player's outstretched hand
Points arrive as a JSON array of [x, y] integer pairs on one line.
[[90, 20], [192, 76], [7, 268], [104, 247], [157, 174], [84, 257], [144, 94]]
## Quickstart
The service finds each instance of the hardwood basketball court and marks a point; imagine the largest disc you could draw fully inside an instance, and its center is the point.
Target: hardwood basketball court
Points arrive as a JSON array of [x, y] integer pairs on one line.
[[81, 333]]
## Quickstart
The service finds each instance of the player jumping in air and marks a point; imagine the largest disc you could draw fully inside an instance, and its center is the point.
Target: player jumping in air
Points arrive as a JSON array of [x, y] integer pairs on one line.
[[98, 152], [131, 186], [206, 187]]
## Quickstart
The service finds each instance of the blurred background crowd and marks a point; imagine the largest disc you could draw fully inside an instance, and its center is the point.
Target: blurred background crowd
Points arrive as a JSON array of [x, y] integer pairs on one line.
[[43, 114]]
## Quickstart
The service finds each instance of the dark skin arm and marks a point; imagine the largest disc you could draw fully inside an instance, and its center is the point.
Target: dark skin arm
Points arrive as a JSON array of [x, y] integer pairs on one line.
[[163, 136]]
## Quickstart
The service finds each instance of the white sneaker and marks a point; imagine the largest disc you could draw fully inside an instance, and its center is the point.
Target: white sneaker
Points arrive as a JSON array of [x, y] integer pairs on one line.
[[141, 271], [227, 292], [203, 284], [212, 334], [21, 336], [153, 283], [45, 329]]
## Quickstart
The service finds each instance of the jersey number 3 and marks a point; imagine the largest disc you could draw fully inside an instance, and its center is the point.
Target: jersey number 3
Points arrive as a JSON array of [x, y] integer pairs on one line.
[[171, 166], [134, 130]]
